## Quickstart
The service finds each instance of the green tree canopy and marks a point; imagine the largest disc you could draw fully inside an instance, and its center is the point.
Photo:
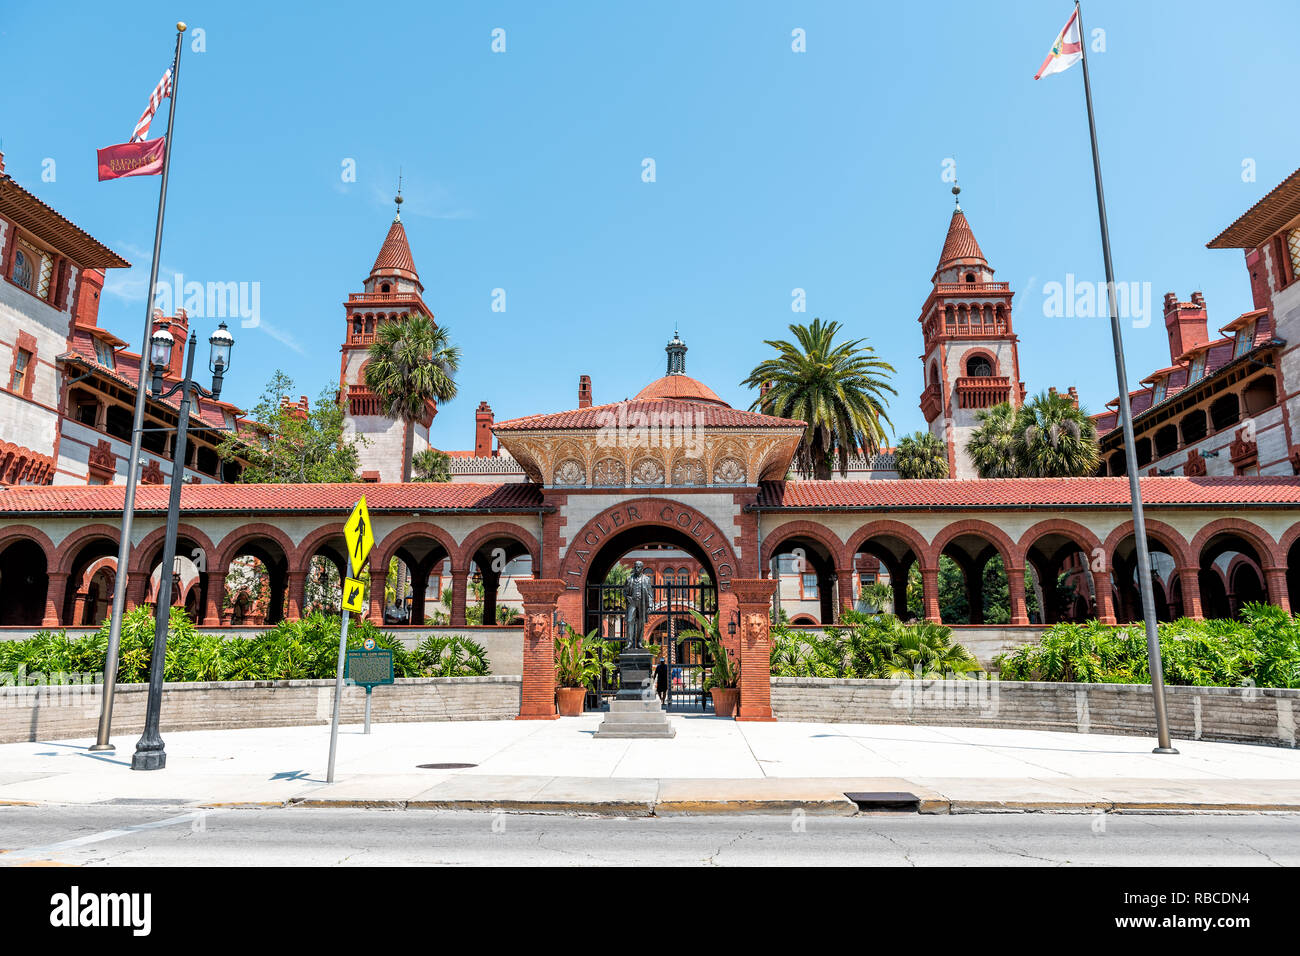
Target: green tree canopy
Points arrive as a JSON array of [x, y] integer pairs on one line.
[[837, 389], [287, 445], [1048, 437], [921, 455], [411, 363]]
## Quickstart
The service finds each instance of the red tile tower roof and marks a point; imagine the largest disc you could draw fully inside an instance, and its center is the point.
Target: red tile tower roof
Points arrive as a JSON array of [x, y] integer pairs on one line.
[[960, 247], [695, 412], [394, 257]]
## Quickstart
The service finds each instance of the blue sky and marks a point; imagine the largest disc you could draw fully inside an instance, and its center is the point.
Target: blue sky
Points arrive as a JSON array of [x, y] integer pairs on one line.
[[775, 170]]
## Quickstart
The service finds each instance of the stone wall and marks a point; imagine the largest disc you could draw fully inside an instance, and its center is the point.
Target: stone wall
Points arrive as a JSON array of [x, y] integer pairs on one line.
[[1244, 715], [63, 712]]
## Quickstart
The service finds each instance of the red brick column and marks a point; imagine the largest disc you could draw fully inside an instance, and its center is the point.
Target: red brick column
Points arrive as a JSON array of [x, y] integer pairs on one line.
[[537, 695], [1105, 605], [754, 598], [1190, 580], [216, 597], [458, 588], [137, 588], [55, 591], [1016, 592], [1275, 578], [844, 585], [297, 595], [378, 581], [929, 595]]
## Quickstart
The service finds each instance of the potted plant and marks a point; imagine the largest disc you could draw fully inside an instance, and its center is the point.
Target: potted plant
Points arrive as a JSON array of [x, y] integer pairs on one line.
[[724, 676], [578, 664]]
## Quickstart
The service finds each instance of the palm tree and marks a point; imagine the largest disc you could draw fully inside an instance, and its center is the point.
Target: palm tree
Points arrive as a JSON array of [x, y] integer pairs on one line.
[[837, 390], [1057, 438], [431, 465], [993, 446], [412, 362], [921, 455]]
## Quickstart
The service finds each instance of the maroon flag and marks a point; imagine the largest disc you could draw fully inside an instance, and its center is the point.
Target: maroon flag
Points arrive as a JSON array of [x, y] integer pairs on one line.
[[132, 159]]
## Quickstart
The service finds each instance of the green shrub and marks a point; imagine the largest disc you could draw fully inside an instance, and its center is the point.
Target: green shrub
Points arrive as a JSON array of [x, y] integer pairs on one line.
[[1262, 649], [291, 650], [870, 646]]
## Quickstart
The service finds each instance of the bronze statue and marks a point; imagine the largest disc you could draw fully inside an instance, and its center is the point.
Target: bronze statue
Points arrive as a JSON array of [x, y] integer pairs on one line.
[[639, 594]]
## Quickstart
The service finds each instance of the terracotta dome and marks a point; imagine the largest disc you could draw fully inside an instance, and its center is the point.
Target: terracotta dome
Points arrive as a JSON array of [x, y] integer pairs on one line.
[[681, 388]]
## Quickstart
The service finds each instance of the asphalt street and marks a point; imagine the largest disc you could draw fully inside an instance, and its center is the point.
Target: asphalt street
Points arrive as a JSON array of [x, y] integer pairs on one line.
[[152, 834]]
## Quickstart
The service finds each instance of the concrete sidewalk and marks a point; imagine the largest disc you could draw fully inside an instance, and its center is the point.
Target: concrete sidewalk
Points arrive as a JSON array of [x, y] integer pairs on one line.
[[713, 765]]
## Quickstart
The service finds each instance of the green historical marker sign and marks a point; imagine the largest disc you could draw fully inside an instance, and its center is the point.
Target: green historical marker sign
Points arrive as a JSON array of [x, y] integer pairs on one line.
[[369, 668]]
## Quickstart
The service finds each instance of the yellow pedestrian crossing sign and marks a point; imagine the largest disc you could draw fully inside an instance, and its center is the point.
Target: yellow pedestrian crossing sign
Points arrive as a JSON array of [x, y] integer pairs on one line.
[[359, 535], [353, 592]]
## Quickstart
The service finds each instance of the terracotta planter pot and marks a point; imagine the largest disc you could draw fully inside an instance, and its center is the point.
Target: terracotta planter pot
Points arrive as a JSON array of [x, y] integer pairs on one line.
[[725, 700], [569, 700]]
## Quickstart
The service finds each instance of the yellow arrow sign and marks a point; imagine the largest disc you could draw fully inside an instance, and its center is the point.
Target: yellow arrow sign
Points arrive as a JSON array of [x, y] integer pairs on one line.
[[353, 592], [359, 535]]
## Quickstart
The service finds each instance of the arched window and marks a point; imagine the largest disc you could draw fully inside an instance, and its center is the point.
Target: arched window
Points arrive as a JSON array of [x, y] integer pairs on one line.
[[384, 287], [970, 277], [978, 366]]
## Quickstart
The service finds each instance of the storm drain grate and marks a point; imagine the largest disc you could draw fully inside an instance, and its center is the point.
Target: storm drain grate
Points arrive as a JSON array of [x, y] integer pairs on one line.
[[445, 766], [887, 800]]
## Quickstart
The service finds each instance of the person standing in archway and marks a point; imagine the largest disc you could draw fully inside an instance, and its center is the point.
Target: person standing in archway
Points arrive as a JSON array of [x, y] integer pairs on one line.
[[661, 681], [638, 592]]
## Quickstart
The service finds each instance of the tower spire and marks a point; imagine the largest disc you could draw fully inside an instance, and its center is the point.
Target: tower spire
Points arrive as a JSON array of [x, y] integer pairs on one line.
[[676, 350], [397, 216]]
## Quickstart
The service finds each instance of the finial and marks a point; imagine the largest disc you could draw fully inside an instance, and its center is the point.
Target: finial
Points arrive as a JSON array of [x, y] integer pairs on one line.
[[956, 191], [398, 198]]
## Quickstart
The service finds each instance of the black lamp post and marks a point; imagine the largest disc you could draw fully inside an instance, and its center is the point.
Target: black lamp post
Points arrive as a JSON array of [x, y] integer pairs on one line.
[[149, 752]]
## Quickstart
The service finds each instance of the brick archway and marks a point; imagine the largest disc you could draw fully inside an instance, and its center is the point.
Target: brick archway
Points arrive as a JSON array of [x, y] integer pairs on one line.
[[498, 529], [153, 541], [73, 543], [1012, 556], [667, 513], [310, 545], [1259, 539], [385, 550], [1167, 535], [229, 547], [889, 528], [807, 529]]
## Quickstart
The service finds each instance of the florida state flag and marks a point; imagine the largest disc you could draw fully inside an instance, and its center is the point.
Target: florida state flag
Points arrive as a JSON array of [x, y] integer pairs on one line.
[[132, 159]]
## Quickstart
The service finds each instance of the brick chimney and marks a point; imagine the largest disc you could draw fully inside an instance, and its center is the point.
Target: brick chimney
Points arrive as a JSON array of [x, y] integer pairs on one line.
[[584, 391], [85, 298], [762, 394], [483, 431], [1186, 323]]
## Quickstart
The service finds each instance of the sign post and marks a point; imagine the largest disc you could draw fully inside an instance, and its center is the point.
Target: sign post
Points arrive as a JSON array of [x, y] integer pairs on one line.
[[369, 668], [360, 538]]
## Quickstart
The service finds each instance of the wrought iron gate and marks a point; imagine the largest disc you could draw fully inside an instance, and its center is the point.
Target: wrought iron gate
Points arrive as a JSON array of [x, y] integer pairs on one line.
[[688, 662]]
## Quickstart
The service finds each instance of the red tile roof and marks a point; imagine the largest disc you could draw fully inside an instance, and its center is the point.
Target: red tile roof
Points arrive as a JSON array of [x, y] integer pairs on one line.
[[616, 413], [395, 255], [681, 387], [252, 499], [993, 493], [960, 244]]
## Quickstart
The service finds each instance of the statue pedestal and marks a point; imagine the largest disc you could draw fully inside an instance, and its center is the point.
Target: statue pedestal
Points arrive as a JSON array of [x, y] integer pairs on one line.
[[634, 677], [635, 711]]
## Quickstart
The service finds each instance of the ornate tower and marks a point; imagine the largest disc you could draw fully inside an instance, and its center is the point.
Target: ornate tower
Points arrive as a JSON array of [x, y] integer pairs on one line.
[[391, 291], [676, 350], [970, 358]]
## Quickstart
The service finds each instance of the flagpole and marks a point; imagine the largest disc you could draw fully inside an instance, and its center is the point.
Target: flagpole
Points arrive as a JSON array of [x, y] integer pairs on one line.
[[1126, 420], [137, 432]]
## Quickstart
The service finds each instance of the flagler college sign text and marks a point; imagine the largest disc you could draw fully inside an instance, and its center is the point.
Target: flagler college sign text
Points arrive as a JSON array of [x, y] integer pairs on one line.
[[666, 514]]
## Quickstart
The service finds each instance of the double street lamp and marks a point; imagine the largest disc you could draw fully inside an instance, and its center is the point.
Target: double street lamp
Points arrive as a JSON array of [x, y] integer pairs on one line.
[[149, 752]]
